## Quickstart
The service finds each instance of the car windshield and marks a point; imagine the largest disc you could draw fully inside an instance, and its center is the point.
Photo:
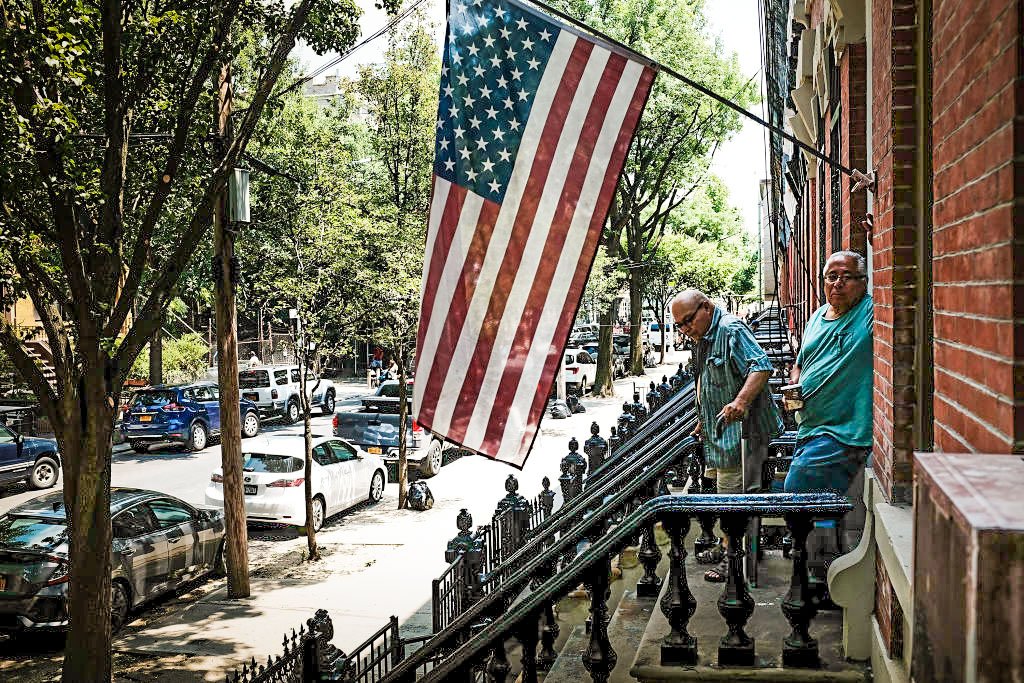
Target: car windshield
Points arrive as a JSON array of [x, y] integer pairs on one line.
[[274, 464], [32, 533], [253, 379], [153, 398]]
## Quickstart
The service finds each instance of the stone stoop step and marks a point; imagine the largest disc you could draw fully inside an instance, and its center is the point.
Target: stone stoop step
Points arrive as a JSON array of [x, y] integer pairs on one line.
[[768, 626], [625, 631]]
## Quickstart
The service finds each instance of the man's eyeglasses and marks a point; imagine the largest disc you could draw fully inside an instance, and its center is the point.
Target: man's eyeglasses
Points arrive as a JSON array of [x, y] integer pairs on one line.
[[685, 322], [833, 278]]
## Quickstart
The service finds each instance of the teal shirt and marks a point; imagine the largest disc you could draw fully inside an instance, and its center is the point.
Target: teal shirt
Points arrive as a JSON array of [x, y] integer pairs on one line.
[[725, 355], [836, 371]]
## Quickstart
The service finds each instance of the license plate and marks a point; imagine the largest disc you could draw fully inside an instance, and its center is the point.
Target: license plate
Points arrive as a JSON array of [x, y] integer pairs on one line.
[[145, 418], [374, 449], [250, 489]]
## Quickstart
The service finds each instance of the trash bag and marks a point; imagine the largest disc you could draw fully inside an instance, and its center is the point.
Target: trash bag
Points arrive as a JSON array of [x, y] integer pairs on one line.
[[559, 410], [419, 496], [573, 402]]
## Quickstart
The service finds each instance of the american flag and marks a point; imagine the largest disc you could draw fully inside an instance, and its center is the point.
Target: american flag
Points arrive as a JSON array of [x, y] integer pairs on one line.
[[534, 122]]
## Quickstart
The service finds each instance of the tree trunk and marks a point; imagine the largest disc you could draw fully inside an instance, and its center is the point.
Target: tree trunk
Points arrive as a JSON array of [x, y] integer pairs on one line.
[[84, 438], [156, 358], [403, 420], [636, 359], [603, 379], [236, 538], [307, 438]]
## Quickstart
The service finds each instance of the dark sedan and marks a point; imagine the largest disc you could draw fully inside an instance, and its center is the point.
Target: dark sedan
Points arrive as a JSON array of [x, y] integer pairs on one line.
[[159, 543]]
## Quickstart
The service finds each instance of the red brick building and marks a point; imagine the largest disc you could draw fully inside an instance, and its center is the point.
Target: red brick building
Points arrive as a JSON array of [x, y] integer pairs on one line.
[[929, 94]]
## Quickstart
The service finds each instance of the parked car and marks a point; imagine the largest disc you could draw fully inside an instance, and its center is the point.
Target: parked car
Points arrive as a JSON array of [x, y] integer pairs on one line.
[[187, 415], [580, 370], [619, 361], [274, 479], [275, 390], [160, 542], [374, 427], [27, 458]]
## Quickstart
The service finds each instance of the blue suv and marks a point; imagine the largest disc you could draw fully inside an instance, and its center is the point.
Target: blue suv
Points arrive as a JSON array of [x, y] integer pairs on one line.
[[26, 458], [187, 415]]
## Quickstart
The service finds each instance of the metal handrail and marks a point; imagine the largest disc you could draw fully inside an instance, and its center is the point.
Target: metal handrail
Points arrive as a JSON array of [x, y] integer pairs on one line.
[[612, 495], [651, 452], [777, 504]]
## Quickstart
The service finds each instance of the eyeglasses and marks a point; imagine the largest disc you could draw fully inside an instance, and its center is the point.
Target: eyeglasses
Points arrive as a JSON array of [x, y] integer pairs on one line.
[[685, 322], [833, 278]]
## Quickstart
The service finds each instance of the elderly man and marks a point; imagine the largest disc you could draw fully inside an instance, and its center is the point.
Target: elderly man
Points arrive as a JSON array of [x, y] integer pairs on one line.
[[834, 368], [732, 398]]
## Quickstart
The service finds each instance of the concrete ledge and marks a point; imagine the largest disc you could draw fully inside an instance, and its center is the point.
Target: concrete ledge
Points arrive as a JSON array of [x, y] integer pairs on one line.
[[894, 536], [711, 673]]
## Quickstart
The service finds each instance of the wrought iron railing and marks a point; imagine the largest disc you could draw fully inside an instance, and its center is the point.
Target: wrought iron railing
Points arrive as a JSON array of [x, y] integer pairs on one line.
[[308, 656], [484, 651], [480, 560]]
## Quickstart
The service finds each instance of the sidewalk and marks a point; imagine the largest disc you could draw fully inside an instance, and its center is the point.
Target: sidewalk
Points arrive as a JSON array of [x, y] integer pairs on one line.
[[377, 561]]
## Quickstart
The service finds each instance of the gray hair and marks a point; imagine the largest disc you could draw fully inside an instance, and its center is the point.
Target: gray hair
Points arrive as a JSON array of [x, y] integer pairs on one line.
[[862, 264]]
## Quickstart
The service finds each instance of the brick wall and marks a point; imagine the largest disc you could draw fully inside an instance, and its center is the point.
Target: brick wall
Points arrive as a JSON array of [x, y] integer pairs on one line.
[[853, 70], [894, 138], [978, 142]]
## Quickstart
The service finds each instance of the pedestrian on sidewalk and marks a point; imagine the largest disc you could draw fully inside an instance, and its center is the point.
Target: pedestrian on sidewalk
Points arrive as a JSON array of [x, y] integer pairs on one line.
[[834, 368], [733, 402]]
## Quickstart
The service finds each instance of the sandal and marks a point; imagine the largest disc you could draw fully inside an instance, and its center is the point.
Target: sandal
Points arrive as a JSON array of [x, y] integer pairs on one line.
[[717, 574], [712, 555]]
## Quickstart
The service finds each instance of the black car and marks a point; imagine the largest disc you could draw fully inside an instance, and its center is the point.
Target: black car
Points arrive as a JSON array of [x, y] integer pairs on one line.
[[159, 543], [27, 458], [187, 415]]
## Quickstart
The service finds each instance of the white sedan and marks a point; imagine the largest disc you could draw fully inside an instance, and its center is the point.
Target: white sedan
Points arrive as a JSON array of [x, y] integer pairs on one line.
[[274, 479]]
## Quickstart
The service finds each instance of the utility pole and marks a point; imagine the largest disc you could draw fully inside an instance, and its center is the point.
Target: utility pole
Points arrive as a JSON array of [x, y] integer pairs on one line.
[[225, 271]]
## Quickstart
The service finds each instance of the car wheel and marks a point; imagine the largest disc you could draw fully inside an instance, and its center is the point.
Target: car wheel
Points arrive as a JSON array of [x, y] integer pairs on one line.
[[431, 463], [44, 474], [318, 513], [140, 448], [377, 487], [118, 606], [197, 437], [250, 425], [328, 406], [292, 412]]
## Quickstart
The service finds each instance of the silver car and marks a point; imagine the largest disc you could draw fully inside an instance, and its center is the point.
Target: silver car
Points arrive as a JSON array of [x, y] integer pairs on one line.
[[159, 543]]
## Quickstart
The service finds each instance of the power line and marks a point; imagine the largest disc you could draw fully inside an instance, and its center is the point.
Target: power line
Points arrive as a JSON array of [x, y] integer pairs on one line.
[[338, 60]]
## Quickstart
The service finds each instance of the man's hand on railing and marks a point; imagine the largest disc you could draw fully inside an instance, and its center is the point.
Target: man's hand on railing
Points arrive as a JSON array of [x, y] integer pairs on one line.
[[698, 431]]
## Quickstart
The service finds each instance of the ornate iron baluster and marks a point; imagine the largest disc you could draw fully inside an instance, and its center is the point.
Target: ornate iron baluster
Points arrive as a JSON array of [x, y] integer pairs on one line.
[[638, 409], [678, 604], [649, 585], [599, 658], [514, 512], [799, 648], [613, 441], [527, 635], [497, 665], [549, 632], [596, 448], [707, 539], [547, 498], [625, 422], [735, 605], [653, 398], [665, 388]]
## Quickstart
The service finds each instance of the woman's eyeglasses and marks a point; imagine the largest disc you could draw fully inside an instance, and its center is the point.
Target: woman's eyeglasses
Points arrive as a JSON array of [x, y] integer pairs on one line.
[[833, 278]]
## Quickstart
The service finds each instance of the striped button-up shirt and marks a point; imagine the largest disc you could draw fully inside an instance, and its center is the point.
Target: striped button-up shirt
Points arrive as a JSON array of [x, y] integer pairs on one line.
[[725, 355]]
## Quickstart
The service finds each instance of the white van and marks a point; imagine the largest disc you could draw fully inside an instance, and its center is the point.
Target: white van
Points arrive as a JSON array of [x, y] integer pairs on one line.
[[661, 334]]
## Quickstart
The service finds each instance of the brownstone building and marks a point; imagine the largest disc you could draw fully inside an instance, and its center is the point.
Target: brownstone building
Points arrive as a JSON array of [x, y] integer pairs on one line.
[[929, 95]]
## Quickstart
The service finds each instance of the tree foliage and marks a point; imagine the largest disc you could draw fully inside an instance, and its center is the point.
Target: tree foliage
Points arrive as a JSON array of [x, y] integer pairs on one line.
[[108, 182]]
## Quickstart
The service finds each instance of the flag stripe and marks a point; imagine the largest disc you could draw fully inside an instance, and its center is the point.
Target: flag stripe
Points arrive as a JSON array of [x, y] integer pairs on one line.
[[547, 238], [456, 288], [448, 388], [613, 145], [544, 293], [530, 228], [442, 212]]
